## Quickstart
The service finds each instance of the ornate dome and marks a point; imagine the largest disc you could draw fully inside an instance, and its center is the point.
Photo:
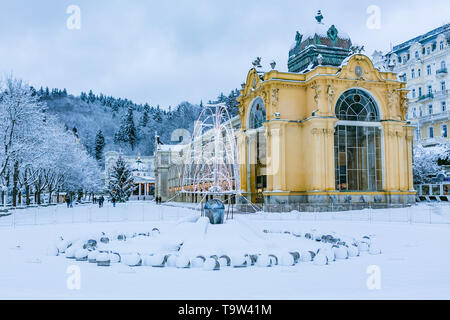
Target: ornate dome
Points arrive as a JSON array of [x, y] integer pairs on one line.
[[323, 45]]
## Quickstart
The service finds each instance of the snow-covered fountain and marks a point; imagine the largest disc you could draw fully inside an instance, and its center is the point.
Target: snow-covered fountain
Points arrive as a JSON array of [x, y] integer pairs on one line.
[[193, 243]]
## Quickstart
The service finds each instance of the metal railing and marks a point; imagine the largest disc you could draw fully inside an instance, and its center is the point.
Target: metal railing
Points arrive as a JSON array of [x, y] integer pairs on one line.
[[89, 213], [429, 213]]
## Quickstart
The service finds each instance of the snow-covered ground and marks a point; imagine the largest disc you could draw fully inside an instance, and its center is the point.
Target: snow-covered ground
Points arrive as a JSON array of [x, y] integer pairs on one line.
[[414, 263]]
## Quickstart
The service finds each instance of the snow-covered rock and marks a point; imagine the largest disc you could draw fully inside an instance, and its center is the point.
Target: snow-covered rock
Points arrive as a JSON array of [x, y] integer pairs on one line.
[[211, 264], [198, 262], [264, 261], [159, 260], [81, 255], [274, 260], [147, 260], [70, 252], [52, 251], [374, 249], [320, 259], [172, 261], [63, 245], [363, 246], [287, 259], [238, 261], [114, 257], [307, 256], [103, 259], [131, 260], [295, 255], [225, 261], [92, 256], [183, 262], [353, 251], [340, 252]]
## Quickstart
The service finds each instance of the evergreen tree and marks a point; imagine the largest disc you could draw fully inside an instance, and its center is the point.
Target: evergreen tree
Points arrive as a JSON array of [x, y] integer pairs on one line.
[[121, 184], [144, 118], [91, 97], [99, 145], [127, 131], [157, 116]]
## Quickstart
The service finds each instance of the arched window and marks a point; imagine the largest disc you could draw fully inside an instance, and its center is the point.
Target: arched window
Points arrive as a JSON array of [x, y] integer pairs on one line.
[[257, 151], [357, 143], [444, 131], [356, 105], [257, 114]]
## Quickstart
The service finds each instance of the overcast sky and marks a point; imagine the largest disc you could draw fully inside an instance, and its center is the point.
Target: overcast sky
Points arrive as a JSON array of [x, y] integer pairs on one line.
[[165, 52]]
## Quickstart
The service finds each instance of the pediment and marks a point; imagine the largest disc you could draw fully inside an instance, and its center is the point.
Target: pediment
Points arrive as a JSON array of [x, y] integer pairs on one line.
[[253, 82], [361, 67]]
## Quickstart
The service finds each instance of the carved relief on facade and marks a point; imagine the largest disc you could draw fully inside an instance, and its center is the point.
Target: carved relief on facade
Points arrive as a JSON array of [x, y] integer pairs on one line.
[[317, 92], [274, 97], [392, 104], [330, 97]]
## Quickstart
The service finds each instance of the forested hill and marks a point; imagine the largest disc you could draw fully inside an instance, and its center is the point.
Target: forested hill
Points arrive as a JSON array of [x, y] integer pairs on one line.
[[124, 125]]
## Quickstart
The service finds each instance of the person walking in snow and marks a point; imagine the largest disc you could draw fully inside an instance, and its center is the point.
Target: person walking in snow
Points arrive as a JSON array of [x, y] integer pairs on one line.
[[113, 200], [100, 201], [67, 199]]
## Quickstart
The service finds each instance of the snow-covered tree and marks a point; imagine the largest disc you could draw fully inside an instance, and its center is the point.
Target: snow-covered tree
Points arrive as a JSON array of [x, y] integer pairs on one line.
[[426, 161], [99, 145], [121, 184], [127, 131], [144, 119]]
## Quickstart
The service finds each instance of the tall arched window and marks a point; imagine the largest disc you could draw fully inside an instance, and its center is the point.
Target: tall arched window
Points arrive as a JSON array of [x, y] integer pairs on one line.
[[357, 143], [257, 149], [257, 114]]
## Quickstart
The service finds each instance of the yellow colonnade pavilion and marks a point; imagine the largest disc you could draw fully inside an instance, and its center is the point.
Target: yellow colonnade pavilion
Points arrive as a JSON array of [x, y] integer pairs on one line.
[[329, 134]]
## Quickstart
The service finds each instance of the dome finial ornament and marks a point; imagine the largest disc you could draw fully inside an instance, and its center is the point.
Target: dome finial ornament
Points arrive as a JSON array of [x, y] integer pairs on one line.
[[319, 17]]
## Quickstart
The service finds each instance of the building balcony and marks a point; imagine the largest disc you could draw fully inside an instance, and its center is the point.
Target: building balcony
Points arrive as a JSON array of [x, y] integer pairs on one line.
[[425, 97], [442, 72], [435, 117], [429, 142], [441, 94]]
